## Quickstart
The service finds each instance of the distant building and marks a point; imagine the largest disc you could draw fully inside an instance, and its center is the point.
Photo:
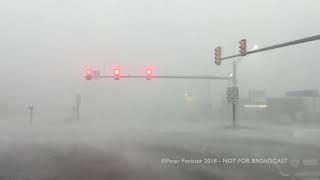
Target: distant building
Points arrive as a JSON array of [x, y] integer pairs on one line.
[[297, 106]]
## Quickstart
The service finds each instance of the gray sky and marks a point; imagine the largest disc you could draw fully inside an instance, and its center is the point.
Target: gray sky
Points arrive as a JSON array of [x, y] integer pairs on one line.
[[46, 44]]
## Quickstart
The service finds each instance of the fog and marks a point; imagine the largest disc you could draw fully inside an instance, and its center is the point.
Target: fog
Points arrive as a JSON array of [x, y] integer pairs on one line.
[[45, 46]]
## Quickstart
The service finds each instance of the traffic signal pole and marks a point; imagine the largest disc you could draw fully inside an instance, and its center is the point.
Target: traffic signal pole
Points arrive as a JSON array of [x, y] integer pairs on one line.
[[243, 52], [299, 41], [234, 105]]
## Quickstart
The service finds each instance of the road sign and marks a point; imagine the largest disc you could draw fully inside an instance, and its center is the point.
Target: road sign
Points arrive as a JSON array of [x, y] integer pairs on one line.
[[30, 108], [233, 94]]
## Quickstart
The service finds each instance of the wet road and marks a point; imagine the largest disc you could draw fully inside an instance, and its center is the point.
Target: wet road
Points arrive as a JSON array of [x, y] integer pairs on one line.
[[44, 155]]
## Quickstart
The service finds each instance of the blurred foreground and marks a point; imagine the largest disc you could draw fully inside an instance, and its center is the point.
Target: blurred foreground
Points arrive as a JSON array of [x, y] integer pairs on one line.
[[89, 151]]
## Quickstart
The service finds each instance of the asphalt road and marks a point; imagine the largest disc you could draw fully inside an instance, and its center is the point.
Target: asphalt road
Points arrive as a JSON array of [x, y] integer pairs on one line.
[[81, 154]]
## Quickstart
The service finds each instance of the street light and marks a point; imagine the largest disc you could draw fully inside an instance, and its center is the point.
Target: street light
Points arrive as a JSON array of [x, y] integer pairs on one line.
[[255, 47]]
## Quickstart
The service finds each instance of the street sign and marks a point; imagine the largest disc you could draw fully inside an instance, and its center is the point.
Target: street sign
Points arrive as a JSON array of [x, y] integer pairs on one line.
[[233, 94]]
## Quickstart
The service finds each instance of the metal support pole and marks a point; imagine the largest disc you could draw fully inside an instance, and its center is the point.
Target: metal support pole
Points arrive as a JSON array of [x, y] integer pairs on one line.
[[314, 104], [209, 95], [78, 102], [31, 114], [234, 115], [234, 105], [77, 113], [314, 116], [234, 75]]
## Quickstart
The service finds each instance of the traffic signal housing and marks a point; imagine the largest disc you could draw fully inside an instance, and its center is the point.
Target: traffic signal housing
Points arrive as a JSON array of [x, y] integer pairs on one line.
[[218, 56], [88, 74], [243, 47], [148, 73], [116, 73]]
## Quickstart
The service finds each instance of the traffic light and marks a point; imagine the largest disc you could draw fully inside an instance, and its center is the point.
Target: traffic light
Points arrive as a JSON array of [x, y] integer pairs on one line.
[[243, 47], [116, 73], [148, 73], [217, 55], [88, 74]]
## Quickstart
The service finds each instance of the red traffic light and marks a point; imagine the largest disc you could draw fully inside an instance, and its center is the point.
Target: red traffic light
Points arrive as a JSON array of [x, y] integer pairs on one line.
[[217, 55], [243, 47], [88, 74], [116, 73], [148, 73]]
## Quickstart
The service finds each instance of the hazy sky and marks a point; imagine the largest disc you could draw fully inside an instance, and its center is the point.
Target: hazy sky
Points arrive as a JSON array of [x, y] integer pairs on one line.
[[44, 46]]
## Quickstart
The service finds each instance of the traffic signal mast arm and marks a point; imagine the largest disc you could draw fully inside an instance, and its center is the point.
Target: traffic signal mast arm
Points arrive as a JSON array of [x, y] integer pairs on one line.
[[172, 77], [299, 41], [116, 75]]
